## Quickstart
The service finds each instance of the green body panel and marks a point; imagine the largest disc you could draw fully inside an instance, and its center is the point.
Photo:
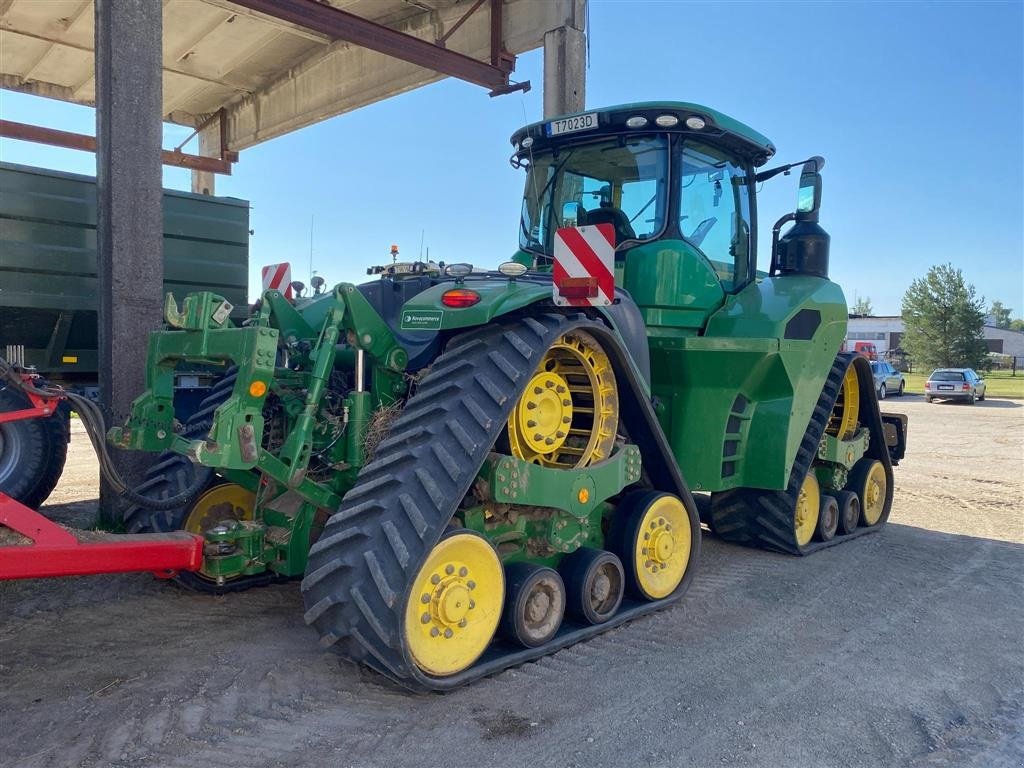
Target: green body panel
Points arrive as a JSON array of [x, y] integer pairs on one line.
[[674, 285], [722, 442], [497, 297], [48, 263]]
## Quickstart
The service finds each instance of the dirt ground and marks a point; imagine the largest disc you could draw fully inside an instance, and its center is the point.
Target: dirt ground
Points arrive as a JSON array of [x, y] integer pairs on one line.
[[903, 648]]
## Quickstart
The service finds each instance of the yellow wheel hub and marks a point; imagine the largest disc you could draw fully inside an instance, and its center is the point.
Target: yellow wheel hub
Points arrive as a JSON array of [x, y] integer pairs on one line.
[[662, 547], [842, 424], [808, 504], [222, 502], [873, 494], [226, 501], [544, 419], [568, 415], [455, 604]]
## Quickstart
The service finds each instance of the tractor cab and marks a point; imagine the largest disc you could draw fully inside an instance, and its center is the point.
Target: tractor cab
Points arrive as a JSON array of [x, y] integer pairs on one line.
[[677, 183]]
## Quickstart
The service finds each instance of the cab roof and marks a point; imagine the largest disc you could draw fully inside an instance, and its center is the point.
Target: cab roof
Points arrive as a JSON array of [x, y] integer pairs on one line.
[[612, 120]]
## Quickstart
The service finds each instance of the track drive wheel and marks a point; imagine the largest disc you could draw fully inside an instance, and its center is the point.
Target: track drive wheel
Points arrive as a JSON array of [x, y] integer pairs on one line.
[[594, 581], [534, 604], [828, 518], [454, 604], [653, 535], [568, 415], [842, 424], [869, 482], [849, 511]]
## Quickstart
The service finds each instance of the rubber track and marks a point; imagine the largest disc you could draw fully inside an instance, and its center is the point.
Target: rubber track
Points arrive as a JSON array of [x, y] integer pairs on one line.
[[361, 569], [764, 518]]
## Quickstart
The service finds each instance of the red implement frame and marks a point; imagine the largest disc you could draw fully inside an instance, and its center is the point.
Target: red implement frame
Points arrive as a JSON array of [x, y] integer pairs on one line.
[[56, 552]]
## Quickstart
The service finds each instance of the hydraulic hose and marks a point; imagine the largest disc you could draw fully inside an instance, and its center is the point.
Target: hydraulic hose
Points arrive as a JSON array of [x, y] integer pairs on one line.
[[95, 428]]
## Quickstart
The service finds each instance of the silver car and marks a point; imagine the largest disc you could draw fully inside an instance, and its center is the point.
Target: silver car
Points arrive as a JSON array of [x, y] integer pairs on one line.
[[888, 381], [954, 384]]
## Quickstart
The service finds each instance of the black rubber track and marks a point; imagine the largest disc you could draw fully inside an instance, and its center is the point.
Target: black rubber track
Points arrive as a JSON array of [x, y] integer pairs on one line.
[[361, 569], [764, 518], [173, 473], [42, 443]]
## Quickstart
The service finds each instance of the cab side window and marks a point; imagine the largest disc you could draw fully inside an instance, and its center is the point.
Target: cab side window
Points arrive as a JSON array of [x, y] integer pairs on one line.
[[714, 214]]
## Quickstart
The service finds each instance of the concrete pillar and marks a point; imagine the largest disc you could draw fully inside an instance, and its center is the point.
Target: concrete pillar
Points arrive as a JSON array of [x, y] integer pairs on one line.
[[565, 64], [204, 182], [129, 231]]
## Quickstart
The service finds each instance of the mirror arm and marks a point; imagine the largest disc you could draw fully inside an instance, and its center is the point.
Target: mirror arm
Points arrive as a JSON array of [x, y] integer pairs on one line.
[[774, 265]]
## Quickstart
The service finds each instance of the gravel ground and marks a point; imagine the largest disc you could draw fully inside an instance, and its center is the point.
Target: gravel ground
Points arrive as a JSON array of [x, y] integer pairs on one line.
[[902, 648]]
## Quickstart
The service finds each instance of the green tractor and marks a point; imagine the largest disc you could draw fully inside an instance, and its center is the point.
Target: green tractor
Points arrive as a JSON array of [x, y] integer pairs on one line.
[[470, 469]]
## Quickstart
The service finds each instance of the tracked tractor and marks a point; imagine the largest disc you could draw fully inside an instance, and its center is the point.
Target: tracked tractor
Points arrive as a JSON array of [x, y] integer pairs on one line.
[[472, 468]]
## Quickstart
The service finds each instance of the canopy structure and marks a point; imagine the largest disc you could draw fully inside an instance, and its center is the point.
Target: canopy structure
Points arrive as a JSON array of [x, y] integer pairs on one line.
[[247, 71], [242, 72]]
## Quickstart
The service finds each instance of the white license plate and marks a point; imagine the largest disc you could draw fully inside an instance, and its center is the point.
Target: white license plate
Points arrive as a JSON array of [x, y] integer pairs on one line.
[[572, 124], [945, 386]]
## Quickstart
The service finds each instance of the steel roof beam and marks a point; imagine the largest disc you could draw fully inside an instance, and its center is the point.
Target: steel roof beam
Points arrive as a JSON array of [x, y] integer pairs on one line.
[[342, 25]]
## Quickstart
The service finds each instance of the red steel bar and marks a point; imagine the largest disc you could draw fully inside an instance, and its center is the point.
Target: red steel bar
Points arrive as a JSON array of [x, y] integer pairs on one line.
[[9, 129], [56, 552]]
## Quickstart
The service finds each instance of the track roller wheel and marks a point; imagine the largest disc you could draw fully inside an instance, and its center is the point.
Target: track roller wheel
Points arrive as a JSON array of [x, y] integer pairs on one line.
[[594, 581], [849, 511], [654, 537], [868, 481], [805, 515], [534, 604], [828, 517], [454, 604]]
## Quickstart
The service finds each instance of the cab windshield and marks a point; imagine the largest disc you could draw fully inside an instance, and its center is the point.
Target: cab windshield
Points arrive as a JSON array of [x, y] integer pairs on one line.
[[620, 181]]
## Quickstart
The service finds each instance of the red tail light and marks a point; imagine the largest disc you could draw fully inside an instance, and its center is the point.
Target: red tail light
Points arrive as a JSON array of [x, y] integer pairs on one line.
[[460, 298], [966, 387]]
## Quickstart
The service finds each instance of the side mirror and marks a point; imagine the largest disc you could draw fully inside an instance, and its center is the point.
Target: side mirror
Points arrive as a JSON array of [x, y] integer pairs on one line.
[[809, 196], [571, 211]]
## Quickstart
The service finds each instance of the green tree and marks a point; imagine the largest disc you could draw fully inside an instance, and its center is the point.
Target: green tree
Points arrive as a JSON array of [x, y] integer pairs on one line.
[[862, 307], [1017, 325], [1000, 314], [943, 318]]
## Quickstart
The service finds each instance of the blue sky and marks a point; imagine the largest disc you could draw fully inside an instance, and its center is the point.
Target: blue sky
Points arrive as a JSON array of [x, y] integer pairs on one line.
[[917, 107]]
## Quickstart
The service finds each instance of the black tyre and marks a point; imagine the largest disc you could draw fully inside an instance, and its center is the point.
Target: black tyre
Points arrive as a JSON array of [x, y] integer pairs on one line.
[[849, 511], [32, 451], [594, 581], [927, 399], [881, 392], [903, 385], [828, 518], [534, 604], [981, 396]]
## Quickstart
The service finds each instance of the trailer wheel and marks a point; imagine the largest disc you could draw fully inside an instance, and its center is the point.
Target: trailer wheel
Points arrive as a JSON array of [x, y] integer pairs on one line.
[[32, 451]]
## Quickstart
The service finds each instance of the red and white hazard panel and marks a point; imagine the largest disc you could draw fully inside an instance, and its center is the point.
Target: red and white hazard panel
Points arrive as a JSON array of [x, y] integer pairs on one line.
[[584, 270], [278, 277]]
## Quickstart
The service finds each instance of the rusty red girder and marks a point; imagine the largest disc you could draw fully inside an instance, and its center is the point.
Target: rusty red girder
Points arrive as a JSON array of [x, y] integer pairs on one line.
[[342, 25], [9, 129]]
